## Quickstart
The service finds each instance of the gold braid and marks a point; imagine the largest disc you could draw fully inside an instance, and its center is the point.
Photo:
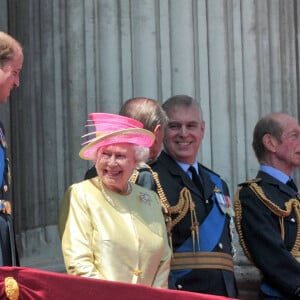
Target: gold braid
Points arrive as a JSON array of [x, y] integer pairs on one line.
[[238, 218], [163, 199], [184, 204], [134, 176], [292, 204]]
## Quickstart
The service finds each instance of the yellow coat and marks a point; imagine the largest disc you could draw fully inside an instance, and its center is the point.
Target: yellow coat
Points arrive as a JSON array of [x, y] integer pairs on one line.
[[114, 237]]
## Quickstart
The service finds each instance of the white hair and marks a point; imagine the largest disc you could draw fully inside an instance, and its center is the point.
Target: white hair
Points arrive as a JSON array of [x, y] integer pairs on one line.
[[141, 153]]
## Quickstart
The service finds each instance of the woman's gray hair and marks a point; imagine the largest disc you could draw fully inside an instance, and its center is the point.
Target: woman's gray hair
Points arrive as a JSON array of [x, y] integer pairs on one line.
[[141, 153]]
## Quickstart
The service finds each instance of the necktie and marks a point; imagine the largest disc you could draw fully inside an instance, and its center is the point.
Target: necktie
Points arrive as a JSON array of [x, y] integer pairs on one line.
[[196, 178], [292, 184]]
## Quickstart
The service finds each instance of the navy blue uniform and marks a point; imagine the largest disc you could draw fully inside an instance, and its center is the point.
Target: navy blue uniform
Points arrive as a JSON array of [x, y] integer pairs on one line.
[[8, 252], [268, 234], [173, 179]]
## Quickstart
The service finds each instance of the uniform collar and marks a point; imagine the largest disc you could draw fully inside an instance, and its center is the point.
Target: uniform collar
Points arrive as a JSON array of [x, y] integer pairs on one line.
[[185, 167], [282, 177]]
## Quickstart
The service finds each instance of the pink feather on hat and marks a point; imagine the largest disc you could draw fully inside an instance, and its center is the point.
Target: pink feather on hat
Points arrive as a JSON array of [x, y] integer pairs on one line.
[[113, 129]]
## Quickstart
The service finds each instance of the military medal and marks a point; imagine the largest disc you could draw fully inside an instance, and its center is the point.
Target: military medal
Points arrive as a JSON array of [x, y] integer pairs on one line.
[[221, 202], [2, 139], [224, 204], [229, 209]]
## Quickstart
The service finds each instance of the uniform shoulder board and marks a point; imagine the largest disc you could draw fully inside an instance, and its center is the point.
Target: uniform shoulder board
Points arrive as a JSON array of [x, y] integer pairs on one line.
[[143, 167], [248, 182]]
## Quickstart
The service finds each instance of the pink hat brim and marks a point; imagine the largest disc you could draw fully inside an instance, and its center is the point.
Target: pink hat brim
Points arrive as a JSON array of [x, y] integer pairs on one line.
[[136, 136]]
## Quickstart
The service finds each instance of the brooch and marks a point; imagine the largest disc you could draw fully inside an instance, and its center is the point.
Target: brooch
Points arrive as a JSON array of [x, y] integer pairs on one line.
[[146, 198]]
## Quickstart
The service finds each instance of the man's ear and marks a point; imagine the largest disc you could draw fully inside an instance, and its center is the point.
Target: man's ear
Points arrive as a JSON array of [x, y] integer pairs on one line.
[[269, 142], [157, 128]]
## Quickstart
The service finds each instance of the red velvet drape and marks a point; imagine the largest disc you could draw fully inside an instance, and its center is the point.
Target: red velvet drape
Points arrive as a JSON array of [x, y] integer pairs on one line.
[[36, 284]]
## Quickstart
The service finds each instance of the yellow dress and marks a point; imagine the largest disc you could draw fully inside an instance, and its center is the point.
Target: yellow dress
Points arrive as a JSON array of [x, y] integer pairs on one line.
[[115, 237]]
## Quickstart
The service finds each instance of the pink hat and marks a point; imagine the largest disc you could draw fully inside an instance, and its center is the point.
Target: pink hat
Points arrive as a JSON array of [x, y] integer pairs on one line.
[[113, 129]]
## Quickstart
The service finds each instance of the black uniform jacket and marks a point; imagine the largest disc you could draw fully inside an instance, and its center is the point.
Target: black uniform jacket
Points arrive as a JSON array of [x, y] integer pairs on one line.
[[173, 179], [8, 250], [262, 235], [90, 173]]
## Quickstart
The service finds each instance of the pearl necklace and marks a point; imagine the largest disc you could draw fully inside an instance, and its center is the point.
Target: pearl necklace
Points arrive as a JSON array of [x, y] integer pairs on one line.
[[108, 198]]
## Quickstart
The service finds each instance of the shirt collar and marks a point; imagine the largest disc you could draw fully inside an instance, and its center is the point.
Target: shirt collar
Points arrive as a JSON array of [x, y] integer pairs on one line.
[[185, 167], [282, 177]]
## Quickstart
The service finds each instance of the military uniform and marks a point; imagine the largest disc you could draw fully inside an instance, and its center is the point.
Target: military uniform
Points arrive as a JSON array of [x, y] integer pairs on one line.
[[267, 219], [201, 276], [90, 173], [8, 253]]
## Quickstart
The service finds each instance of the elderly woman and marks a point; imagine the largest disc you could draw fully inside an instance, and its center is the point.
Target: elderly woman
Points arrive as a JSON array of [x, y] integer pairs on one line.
[[112, 229]]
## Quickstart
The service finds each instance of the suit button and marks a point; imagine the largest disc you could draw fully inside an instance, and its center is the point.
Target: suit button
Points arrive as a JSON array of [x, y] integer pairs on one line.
[[179, 286]]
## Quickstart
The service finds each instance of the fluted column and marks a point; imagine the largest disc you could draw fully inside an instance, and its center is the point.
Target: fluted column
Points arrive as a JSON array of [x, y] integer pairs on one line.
[[239, 58]]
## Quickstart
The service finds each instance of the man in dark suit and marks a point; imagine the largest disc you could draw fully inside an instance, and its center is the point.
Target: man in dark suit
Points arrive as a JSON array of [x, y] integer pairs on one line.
[[199, 208], [268, 208], [11, 62]]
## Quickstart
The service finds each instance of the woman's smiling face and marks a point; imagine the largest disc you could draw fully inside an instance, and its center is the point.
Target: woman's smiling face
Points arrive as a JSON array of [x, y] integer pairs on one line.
[[115, 164]]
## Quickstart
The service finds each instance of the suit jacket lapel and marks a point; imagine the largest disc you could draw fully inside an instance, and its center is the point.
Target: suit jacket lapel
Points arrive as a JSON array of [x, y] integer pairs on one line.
[[207, 183]]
